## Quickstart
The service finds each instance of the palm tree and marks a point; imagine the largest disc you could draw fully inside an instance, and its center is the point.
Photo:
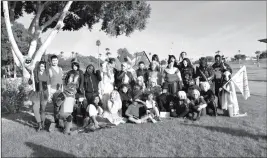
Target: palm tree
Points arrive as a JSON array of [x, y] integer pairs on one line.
[[258, 57], [61, 53], [72, 54], [98, 43]]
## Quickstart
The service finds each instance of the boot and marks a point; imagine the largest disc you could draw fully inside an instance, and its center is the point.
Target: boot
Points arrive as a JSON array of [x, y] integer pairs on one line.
[[68, 126], [39, 128]]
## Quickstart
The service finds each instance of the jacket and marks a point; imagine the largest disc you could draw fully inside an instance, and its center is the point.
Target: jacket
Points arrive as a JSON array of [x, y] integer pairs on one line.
[[91, 81]]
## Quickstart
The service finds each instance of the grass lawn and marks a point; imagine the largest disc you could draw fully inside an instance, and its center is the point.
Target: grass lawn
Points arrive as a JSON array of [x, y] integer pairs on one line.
[[210, 137]]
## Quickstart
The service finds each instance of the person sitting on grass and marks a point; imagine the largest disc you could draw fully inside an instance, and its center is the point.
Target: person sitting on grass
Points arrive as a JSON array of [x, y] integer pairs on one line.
[[209, 97], [197, 104], [135, 115], [93, 111], [181, 105], [125, 98], [114, 106], [151, 106], [164, 99]]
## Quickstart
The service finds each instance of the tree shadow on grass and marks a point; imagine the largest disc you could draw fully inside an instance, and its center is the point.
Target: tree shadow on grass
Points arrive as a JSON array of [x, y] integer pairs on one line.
[[231, 131], [42, 151], [26, 117]]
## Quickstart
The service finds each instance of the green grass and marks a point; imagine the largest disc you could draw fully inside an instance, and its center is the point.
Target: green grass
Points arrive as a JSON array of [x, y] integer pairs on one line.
[[210, 137]]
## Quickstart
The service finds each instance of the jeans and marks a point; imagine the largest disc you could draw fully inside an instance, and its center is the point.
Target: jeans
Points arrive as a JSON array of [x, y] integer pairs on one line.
[[39, 100]]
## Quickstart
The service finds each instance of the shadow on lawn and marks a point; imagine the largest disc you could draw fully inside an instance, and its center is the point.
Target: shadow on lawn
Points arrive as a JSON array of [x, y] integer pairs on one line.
[[42, 151], [231, 131], [26, 117]]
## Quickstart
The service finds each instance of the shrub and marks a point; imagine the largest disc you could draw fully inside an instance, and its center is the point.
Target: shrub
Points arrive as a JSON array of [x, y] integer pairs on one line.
[[14, 92]]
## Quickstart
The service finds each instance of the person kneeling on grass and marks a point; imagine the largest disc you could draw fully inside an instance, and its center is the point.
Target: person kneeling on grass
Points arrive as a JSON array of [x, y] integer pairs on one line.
[[65, 102], [209, 97], [151, 106], [135, 115], [197, 104], [181, 105]]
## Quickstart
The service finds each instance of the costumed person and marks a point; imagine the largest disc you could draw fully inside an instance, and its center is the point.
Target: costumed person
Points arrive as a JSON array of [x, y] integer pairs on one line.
[[152, 107], [55, 75], [164, 99], [125, 98], [209, 97], [130, 68], [181, 105], [153, 73], [141, 83], [172, 76], [204, 72], [92, 78], [187, 73], [154, 87], [228, 97], [219, 68], [106, 85], [93, 111], [80, 84], [41, 95], [135, 114], [124, 76], [66, 101], [197, 105], [114, 107], [142, 71], [182, 56]]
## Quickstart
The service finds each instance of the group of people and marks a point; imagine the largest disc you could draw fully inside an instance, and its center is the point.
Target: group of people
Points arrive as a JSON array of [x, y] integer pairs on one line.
[[109, 97]]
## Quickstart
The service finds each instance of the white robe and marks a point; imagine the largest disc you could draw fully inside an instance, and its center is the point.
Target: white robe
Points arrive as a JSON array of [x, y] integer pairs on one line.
[[106, 85], [228, 98]]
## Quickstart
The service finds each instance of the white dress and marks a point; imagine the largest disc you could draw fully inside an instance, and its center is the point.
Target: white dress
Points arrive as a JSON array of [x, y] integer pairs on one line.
[[228, 98], [113, 113], [106, 85]]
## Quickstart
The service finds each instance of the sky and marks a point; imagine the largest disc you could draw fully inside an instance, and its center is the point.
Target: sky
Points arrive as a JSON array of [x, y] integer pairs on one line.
[[198, 27]]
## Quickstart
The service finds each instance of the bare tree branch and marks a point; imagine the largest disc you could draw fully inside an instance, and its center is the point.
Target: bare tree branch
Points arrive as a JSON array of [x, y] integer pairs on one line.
[[50, 21], [38, 54]]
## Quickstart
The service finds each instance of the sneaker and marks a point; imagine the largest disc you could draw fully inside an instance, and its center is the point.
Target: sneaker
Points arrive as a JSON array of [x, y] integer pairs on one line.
[[158, 118], [153, 120]]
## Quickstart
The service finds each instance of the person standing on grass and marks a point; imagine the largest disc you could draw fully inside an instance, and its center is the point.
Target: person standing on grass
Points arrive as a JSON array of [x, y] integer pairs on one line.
[[92, 78], [219, 67], [80, 83], [153, 73], [55, 75], [187, 73], [142, 71], [40, 96], [172, 76], [124, 76], [204, 72]]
